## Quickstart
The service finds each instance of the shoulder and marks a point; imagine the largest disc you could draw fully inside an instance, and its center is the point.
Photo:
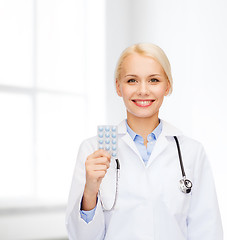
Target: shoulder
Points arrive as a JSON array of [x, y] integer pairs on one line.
[[192, 148], [89, 144], [192, 151], [185, 141], [86, 148]]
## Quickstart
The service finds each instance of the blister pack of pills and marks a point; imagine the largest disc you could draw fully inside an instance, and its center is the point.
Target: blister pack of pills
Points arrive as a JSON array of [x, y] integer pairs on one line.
[[107, 139]]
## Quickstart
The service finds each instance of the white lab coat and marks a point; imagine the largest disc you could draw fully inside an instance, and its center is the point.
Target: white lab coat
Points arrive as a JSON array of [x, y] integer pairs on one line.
[[150, 205]]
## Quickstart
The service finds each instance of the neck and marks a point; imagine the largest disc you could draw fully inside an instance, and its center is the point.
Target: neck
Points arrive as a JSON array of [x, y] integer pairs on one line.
[[142, 126]]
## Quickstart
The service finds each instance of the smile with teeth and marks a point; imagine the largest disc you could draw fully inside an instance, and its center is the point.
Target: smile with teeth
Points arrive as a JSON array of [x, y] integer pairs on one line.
[[143, 103]]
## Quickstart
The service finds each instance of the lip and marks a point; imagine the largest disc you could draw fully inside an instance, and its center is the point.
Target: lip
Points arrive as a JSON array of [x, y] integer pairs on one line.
[[143, 102]]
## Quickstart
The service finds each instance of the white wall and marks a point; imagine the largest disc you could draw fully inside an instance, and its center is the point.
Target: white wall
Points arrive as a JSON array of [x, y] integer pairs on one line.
[[118, 35], [193, 34], [57, 45], [95, 66]]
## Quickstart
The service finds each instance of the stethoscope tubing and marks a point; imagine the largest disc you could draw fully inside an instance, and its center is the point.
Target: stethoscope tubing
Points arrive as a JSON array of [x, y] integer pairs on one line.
[[116, 189], [180, 157]]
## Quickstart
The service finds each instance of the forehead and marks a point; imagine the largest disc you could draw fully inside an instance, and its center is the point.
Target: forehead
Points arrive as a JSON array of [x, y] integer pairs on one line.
[[139, 64]]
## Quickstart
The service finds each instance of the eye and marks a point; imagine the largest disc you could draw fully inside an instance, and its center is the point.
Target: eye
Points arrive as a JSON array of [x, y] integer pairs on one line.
[[131, 81], [154, 80]]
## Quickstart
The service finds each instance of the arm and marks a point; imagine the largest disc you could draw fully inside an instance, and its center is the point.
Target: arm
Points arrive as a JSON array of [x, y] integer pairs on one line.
[[77, 228], [204, 221]]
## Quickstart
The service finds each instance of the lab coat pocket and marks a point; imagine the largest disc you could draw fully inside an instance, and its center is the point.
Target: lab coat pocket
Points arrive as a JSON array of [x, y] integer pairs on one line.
[[177, 201]]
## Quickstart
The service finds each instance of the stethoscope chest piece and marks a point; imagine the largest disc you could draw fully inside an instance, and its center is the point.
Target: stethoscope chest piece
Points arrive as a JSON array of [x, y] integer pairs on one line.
[[185, 185]]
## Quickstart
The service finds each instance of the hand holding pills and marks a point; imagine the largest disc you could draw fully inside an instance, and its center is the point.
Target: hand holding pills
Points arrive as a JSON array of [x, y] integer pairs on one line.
[[97, 164], [96, 167]]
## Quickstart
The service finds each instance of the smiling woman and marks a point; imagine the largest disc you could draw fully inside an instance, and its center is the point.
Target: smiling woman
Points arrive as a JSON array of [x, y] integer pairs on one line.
[[150, 51], [142, 93], [147, 194]]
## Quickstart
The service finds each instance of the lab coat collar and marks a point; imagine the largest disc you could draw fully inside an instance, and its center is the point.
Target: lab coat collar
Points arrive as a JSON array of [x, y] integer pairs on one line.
[[161, 144], [167, 129], [162, 141]]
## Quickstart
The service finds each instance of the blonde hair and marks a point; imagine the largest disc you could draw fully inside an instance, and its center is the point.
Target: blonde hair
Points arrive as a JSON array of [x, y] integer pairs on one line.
[[148, 50]]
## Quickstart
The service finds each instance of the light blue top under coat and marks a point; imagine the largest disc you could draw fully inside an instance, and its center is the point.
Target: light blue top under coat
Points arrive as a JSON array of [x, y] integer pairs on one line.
[[144, 151]]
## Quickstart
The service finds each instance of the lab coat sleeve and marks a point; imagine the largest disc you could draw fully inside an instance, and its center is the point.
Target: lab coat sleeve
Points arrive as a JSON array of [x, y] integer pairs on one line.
[[76, 227], [204, 221]]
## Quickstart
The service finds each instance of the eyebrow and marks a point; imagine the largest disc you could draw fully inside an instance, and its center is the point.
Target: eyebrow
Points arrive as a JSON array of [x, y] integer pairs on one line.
[[133, 75]]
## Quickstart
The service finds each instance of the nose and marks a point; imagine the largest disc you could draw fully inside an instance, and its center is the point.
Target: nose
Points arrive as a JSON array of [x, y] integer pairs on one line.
[[143, 89]]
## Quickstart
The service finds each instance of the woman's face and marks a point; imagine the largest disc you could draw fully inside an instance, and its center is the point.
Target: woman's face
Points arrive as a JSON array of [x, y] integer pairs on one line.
[[142, 85]]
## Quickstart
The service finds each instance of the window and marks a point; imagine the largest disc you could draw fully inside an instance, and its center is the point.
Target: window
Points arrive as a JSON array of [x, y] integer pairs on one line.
[[45, 93]]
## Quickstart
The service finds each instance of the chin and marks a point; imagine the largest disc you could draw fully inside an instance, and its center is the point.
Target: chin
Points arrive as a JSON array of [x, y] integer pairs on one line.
[[143, 115]]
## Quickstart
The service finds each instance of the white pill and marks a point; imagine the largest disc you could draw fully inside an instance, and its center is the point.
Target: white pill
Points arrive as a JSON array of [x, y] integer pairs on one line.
[[107, 128], [114, 135], [107, 141], [114, 129], [114, 154], [114, 147], [100, 135], [100, 128]]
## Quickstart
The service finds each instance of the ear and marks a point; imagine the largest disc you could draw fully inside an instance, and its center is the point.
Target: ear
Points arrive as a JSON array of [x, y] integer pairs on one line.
[[167, 89], [118, 88]]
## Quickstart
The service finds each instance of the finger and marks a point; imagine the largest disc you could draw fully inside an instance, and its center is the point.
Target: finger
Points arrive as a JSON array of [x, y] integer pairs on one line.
[[96, 167], [100, 153], [100, 160], [100, 174], [99, 167], [97, 174]]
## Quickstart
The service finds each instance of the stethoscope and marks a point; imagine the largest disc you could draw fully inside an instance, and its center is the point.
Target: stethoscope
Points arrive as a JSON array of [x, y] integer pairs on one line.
[[185, 184]]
